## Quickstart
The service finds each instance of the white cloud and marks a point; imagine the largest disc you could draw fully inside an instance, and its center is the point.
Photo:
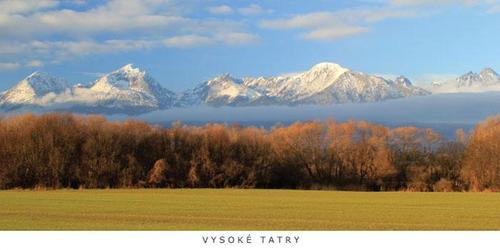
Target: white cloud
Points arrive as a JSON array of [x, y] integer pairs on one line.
[[231, 38], [58, 51], [78, 48], [235, 38], [332, 33], [331, 25], [339, 18], [318, 25], [4, 66], [253, 9], [113, 17], [220, 10], [25, 6], [310, 20], [34, 63], [378, 14], [36, 31], [187, 41]]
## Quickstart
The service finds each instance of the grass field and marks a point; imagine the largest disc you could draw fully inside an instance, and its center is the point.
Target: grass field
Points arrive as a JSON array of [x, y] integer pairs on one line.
[[233, 209]]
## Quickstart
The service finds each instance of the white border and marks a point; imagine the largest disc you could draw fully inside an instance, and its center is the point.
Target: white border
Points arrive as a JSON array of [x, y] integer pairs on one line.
[[124, 240]]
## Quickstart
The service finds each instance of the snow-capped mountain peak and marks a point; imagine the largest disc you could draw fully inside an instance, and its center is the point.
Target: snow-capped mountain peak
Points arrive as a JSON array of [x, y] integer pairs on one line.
[[132, 90], [131, 84], [221, 90], [133, 74], [401, 80], [323, 70], [324, 83], [328, 66], [319, 77], [224, 79], [42, 83], [489, 75], [34, 86], [36, 74], [127, 89], [486, 80], [468, 79], [129, 68], [123, 78]]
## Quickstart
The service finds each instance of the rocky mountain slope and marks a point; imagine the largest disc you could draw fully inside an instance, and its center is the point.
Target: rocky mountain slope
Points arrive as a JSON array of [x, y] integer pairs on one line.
[[131, 90], [126, 90], [486, 80], [325, 83]]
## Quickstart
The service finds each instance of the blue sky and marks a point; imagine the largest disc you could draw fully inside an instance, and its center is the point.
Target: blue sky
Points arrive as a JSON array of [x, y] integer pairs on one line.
[[182, 43]]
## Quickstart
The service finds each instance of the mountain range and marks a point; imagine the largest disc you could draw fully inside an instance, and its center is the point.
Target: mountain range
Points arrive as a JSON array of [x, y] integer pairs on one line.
[[486, 80], [133, 91]]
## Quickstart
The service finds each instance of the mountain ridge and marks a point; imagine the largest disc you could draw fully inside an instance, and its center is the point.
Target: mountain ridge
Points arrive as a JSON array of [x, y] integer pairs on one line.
[[324, 83], [131, 90], [36, 85], [486, 80]]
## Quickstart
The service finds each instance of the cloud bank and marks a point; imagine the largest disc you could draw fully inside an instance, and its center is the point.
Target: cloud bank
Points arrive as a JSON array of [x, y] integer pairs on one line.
[[50, 31]]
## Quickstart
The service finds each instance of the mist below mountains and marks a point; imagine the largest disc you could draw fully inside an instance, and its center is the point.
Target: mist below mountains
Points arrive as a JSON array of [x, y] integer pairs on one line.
[[443, 112], [325, 91]]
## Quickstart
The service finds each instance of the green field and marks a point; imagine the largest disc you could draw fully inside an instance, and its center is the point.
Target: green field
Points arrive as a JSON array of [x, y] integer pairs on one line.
[[236, 209]]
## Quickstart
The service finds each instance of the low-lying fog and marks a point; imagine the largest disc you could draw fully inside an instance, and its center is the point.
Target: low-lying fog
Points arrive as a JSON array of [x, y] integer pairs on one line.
[[443, 112]]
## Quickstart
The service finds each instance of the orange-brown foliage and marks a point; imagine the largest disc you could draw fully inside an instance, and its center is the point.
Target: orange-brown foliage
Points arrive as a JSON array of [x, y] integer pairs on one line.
[[69, 151]]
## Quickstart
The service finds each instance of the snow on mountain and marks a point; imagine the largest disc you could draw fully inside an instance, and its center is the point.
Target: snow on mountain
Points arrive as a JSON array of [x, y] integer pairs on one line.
[[220, 91], [486, 80], [126, 90], [406, 88], [324, 83], [295, 87], [359, 87], [129, 86], [32, 89], [318, 78], [131, 90]]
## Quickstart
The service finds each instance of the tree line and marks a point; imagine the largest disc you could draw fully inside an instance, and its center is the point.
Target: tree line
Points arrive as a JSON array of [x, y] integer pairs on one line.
[[71, 151]]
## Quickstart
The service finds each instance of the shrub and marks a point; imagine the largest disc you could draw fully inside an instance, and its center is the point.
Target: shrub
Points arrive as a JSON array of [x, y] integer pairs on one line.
[[443, 185]]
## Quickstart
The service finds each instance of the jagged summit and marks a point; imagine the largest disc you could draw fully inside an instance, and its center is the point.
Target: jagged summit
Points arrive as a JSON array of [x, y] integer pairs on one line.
[[222, 79], [34, 86], [325, 69], [129, 67], [323, 83], [489, 75], [328, 66], [123, 78], [127, 89], [36, 73], [131, 84], [130, 89], [43, 83], [488, 70], [219, 91], [402, 80], [486, 80]]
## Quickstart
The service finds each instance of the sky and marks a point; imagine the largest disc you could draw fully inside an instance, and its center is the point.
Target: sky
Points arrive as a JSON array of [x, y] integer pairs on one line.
[[183, 43]]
